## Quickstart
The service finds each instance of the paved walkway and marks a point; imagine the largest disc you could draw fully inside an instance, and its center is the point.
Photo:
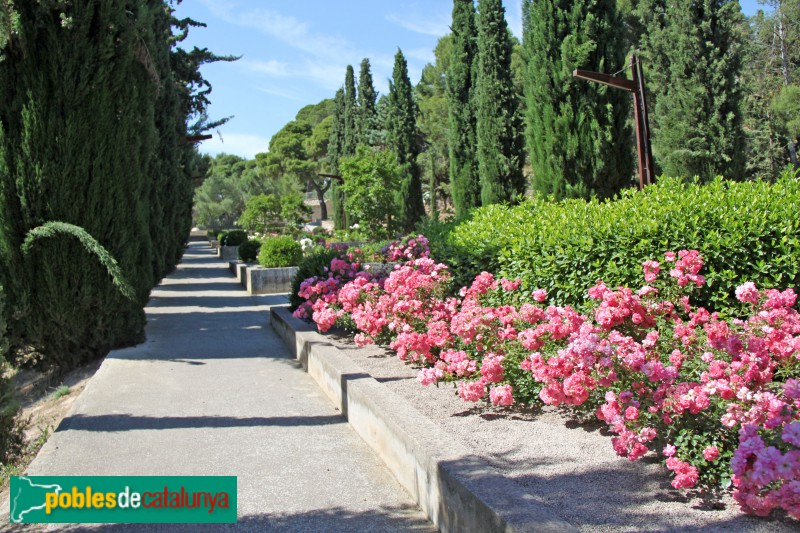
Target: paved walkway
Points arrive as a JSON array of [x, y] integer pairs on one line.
[[214, 392]]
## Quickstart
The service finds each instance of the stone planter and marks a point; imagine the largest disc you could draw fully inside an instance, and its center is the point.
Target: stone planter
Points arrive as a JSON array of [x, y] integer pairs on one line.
[[228, 252], [385, 268], [262, 280], [233, 266], [213, 243], [241, 272]]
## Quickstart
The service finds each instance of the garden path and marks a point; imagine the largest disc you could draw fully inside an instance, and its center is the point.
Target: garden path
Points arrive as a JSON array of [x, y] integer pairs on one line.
[[213, 392]]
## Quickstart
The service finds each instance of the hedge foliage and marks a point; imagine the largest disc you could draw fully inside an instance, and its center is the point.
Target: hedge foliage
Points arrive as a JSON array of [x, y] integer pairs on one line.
[[280, 252], [248, 250], [233, 237], [745, 231]]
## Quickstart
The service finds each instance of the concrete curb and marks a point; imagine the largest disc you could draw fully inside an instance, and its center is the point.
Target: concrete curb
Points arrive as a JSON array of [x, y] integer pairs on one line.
[[262, 280], [458, 491]]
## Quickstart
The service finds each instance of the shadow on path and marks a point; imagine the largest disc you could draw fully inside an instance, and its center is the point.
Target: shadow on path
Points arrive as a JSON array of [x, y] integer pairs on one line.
[[125, 422]]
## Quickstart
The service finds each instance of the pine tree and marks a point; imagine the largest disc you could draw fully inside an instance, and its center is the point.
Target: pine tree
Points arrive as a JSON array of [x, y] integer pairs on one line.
[[367, 117], [350, 113], [693, 53], [403, 140], [498, 124], [464, 180], [577, 131], [336, 152]]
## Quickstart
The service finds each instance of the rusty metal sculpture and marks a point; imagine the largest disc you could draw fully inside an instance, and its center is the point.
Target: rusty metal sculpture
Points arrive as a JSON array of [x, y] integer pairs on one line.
[[634, 85]]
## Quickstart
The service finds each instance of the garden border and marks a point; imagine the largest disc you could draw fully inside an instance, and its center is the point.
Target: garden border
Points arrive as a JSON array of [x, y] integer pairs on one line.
[[455, 489]]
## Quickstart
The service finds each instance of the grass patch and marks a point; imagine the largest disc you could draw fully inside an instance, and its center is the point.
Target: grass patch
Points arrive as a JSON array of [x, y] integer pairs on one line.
[[60, 392]]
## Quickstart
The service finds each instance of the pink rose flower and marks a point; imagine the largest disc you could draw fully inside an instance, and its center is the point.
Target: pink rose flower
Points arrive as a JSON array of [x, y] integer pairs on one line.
[[711, 453]]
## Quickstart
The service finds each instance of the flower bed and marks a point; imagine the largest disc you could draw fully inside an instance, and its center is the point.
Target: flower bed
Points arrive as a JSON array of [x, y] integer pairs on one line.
[[717, 399]]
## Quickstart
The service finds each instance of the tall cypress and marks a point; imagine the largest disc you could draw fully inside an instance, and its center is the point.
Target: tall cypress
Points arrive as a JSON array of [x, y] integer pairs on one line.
[[577, 131], [75, 148], [336, 152], [693, 53], [366, 119], [350, 113], [94, 193], [498, 124], [403, 140], [464, 180]]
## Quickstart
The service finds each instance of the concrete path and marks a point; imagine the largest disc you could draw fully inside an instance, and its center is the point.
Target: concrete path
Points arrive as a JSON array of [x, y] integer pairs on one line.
[[213, 392]]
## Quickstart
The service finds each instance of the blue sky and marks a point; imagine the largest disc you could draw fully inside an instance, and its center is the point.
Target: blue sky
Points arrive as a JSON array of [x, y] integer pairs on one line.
[[294, 53]]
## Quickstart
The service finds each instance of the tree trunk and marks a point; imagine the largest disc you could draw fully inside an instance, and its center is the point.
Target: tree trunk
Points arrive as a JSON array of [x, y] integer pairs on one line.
[[323, 209]]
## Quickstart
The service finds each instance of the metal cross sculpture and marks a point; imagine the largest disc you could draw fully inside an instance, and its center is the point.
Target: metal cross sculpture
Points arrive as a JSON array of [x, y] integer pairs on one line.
[[634, 85]]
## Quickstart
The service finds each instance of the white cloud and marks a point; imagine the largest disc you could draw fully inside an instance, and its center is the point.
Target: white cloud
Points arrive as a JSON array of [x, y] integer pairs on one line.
[[437, 26], [425, 55], [281, 93], [287, 29], [323, 57], [241, 144], [271, 67]]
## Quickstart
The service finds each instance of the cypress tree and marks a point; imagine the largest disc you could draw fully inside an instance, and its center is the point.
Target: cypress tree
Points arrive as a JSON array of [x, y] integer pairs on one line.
[[92, 171], [366, 123], [498, 124], [335, 152], [403, 140], [75, 148], [577, 131], [464, 180], [350, 113], [693, 53]]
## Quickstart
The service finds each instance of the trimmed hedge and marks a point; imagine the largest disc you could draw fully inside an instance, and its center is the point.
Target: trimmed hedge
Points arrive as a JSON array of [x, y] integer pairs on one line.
[[745, 231], [280, 252], [248, 250], [234, 237]]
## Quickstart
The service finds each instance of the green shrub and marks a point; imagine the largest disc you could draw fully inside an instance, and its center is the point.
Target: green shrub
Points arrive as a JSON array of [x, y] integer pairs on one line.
[[745, 232], [12, 439], [234, 237], [221, 236], [248, 250], [280, 252], [212, 234], [312, 265]]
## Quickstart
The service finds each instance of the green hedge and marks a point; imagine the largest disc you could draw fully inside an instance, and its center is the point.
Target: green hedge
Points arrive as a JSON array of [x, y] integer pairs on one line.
[[234, 237], [745, 231], [280, 252], [248, 250]]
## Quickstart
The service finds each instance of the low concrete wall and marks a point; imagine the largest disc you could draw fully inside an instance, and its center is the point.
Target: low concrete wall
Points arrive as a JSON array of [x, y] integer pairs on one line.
[[233, 265], [385, 268], [458, 491], [241, 272], [228, 252], [262, 280]]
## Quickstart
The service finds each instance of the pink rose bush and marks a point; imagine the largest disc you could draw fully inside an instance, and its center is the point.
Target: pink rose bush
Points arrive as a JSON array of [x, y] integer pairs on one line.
[[718, 398]]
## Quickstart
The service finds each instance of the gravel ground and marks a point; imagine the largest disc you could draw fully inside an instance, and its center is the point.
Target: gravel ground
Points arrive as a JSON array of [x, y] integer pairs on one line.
[[567, 465]]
